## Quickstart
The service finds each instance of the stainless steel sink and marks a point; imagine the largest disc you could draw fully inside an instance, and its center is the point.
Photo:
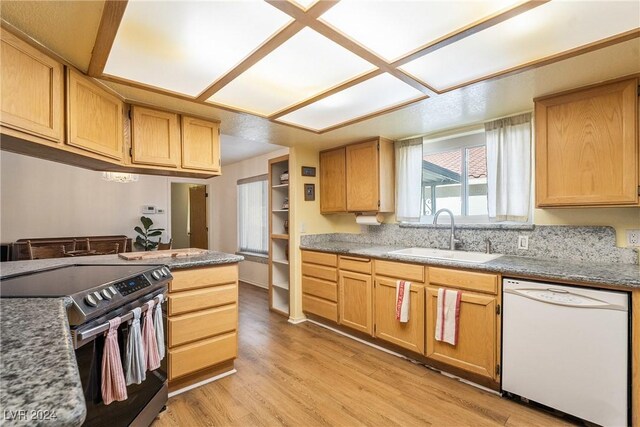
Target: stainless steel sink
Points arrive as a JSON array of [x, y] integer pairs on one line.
[[472, 257]]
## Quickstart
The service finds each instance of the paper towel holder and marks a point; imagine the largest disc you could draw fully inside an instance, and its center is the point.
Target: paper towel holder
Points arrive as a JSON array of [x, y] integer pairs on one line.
[[369, 218]]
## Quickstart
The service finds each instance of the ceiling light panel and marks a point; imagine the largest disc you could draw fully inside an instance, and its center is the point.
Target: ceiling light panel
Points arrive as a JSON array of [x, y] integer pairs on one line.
[[376, 94], [305, 4], [184, 46], [394, 28], [303, 66], [552, 28]]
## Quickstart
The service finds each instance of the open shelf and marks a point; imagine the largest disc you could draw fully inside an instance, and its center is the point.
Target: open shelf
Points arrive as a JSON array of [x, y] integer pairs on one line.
[[279, 268]]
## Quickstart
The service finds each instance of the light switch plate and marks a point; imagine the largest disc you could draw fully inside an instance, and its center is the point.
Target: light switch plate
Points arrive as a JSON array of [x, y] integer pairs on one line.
[[523, 243], [633, 238]]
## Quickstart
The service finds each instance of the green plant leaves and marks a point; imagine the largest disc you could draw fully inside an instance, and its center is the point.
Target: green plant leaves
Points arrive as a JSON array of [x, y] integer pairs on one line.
[[146, 222]]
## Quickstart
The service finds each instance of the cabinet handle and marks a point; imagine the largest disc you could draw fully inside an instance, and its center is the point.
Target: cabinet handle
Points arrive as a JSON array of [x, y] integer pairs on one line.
[[355, 259]]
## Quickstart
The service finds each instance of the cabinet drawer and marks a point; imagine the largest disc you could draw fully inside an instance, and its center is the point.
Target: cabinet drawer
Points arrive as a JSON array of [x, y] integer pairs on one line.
[[330, 260], [470, 280], [400, 270], [320, 288], [359, 265], [202, 277], [320, 272], [320, 307], [194, 357], [200, 299], [202, 324]]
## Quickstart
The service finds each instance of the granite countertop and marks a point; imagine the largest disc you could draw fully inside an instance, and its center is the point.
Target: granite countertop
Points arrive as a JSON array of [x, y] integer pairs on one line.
[[611, 275], [39, 380], [12, 268], [39, 376]]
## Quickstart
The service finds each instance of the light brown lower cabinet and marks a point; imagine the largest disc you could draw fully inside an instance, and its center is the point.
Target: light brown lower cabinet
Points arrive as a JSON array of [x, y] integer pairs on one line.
[[477, 348], [408, 335], [355, 301], [320, 284], [202, 323]]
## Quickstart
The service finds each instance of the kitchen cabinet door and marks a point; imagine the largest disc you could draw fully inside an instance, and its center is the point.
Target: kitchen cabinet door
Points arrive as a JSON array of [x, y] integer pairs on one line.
[[333, 181], [587, 147], [155, 137], [94, 118], [355, 301], [32, 90], [200, 144], [409, 335], [477, 348], [363, 177]]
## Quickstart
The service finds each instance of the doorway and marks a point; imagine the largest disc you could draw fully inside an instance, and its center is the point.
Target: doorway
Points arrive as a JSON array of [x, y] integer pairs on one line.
[[189, 216]]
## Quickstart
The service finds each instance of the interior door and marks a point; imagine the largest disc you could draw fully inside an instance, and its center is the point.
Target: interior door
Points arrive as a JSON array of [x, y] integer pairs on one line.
[[198, 236]]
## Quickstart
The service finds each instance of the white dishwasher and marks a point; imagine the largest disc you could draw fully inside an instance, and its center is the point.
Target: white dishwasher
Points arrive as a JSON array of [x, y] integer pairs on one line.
[[567, 348]]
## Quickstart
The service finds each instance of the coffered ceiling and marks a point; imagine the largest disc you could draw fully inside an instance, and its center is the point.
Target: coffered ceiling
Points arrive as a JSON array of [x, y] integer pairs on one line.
[[334, 70]]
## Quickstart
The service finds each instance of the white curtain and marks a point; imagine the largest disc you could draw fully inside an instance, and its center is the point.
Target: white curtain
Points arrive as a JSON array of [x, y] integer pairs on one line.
[[408, 179], [509, 168], [253, 223]]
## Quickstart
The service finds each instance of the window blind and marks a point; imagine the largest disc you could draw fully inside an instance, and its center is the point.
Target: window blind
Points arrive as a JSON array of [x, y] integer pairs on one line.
[[253, 221]]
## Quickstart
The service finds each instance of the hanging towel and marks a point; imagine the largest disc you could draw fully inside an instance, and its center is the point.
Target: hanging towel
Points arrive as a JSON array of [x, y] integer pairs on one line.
[[92, 390], [403, 297], [149, 339], [448, 315], [135, 364], [159, 326], [113, 385]]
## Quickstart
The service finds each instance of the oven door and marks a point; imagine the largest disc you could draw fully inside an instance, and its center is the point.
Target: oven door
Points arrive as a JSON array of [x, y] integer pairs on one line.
[[144, 401]]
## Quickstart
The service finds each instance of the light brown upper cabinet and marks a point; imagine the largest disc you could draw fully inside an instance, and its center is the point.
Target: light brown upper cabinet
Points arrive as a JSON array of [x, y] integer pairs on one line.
[[155, 137], [200, 144], [333, 181], [370, 176], [32, 90], [94, 118], [587, 150]]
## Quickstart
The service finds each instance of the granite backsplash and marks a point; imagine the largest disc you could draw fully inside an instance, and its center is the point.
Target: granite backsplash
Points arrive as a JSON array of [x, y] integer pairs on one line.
[[565, 242]]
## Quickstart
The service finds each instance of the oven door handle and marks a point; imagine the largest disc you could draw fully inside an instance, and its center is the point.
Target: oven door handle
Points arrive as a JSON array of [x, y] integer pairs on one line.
[[97, 330]]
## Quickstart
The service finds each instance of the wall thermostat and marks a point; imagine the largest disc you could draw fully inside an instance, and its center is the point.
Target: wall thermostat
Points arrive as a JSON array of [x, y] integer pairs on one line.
[[148, 209]]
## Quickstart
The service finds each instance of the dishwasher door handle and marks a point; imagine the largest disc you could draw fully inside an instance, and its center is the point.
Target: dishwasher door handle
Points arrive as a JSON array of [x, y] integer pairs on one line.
[[567, 299]]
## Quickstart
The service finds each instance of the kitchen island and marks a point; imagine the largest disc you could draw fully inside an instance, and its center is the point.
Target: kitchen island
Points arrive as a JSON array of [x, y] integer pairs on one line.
[[39, 379]]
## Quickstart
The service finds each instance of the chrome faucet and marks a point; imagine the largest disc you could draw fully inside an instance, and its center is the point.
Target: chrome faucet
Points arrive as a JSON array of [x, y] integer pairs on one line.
[[452, 237]]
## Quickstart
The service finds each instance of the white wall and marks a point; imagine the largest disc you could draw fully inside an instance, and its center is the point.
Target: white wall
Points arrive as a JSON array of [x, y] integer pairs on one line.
[[179, 215], [223, 219]]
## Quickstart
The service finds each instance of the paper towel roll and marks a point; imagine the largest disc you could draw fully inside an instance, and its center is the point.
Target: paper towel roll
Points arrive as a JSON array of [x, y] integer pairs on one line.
[[369, 219]]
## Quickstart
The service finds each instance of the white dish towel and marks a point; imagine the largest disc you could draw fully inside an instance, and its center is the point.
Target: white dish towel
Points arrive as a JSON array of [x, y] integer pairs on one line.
[[135, 360], [158, 325], [403, 297], [448, 315]]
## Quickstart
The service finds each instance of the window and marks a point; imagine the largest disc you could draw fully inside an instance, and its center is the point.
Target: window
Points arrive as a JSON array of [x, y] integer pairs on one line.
[[253, 220], [454, 176]]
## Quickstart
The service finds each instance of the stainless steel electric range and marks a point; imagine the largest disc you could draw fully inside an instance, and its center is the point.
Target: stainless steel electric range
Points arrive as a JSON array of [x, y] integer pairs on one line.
[[98, 293]]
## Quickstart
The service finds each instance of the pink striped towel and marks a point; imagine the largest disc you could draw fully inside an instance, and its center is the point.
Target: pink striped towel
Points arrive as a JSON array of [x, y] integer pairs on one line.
[[149, 343], [403, 297], [113, 386], [448, 316]]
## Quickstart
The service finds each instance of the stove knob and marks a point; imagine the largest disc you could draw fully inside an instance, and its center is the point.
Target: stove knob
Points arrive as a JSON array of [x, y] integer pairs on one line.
[[90, 300], [155, 274], [165, 271], [106, 294]]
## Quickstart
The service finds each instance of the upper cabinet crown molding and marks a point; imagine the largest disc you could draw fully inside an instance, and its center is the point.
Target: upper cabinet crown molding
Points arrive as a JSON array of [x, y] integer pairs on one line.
[[32, 89], [587, 151], [94, 118]]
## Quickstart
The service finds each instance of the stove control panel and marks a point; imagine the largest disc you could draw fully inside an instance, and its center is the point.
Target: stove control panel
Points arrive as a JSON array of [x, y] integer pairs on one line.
[[133, 284]]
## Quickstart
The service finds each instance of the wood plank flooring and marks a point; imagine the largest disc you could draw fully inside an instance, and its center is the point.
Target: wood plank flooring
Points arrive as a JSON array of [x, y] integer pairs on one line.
[[306, 375]]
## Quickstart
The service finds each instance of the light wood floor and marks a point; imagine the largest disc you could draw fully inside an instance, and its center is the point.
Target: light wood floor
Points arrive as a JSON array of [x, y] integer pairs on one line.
[[305, 375]]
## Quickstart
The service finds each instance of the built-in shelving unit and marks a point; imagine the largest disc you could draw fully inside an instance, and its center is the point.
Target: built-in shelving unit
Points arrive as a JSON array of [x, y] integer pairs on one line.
[[278, 236]]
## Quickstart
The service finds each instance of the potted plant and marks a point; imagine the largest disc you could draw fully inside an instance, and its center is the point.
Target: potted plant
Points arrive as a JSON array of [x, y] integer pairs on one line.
[[143, 241]]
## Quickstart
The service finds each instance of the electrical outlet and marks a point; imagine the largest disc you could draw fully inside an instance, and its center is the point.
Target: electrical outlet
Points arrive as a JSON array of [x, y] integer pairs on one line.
[[633, 238], [523, 243]]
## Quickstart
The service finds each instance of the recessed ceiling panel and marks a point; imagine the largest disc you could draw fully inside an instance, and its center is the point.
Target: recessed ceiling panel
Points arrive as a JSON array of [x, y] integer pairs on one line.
[[376, 94], [394, 28], [552, 28], [184, 46], [305, 65], [305, 4]]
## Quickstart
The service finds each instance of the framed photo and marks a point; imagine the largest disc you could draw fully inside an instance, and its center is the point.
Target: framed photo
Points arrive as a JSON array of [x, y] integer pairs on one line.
[[308, 171], [309, 192]]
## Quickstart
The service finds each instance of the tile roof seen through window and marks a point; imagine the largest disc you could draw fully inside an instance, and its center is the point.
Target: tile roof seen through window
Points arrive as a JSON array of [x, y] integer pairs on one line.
[[451, 160]]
